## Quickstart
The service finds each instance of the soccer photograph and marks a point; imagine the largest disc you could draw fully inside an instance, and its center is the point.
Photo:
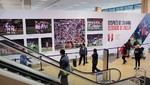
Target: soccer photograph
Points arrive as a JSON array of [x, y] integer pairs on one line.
[[69, 33], [46, 44], [11, 26], [33, 44], [4, 51], [94, 24], [95, 40], [38, 26]]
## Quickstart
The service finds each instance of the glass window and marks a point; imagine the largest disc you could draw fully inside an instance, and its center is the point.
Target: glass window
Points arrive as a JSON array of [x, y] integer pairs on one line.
[[112, 10], [129, 7], [119, 8], [137, 6], [105, 10]]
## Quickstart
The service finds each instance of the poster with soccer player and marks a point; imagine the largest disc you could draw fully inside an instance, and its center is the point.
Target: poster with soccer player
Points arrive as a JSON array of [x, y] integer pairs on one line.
[[94, 24], [95, 39], [33, 44], [8, 51], [69, 33], [46, 44], [38, 26], [11, 26]]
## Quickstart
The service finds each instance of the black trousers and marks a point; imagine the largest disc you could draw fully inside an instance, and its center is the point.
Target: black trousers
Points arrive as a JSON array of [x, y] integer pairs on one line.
[[124, 59], [137, 61], [64, 80], [94, 67], [82, 56]]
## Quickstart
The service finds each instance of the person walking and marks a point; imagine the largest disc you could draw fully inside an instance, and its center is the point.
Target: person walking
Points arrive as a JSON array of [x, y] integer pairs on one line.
[[64, 64], [137, 53], [82, 53], [95, 61]]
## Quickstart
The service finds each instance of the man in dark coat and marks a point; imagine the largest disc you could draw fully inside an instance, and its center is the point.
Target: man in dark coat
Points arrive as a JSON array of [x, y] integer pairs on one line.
[[83, 54], [95, 61], [64, 64]]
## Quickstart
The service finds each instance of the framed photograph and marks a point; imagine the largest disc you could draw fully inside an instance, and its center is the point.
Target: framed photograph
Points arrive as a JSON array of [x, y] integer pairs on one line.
[[33, 44], [4, 51], [46, 44], [94, 24], [69, 33], [95, 39], [11, 26], [38, 26]]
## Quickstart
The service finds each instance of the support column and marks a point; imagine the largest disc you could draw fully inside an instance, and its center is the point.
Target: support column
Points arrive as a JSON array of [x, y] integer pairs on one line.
[[105, 63], [145, 6], [26, 4], [98, 9]]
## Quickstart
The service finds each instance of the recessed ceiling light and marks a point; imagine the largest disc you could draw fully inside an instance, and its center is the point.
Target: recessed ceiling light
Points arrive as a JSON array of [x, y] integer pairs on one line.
[[76, 5], [84, 2], [70, 6], [40, 2], [43, 0]]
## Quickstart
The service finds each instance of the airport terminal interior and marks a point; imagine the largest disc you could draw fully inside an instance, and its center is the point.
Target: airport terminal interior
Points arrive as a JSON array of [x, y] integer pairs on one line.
[[74, 42]]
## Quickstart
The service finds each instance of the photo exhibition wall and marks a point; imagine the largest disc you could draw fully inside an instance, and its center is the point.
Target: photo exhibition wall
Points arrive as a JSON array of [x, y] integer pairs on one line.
[[49, 31]]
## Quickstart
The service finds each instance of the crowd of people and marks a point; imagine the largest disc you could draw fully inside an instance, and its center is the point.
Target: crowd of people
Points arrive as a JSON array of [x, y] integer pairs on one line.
[[69, 33], [137, 54], [10, 26], [40, 26], [95, 24]]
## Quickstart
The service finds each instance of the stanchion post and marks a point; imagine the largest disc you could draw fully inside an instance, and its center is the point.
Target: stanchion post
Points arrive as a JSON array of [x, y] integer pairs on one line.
[[41, 69], [117, 52]]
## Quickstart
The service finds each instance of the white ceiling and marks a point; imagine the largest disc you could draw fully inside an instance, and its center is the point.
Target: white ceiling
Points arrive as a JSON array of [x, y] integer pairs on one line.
[[65, 4]]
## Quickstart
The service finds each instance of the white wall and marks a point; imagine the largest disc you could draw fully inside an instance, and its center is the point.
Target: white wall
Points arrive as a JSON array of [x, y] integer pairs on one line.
[[123, 35]]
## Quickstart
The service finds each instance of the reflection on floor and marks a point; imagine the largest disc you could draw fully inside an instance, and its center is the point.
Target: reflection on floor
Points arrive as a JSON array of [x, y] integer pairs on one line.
[[127, 70]]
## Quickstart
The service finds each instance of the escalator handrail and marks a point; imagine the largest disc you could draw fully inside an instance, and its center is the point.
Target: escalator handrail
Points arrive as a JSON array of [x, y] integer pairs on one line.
[[18, 78], [46, 56], [123, 80], [57, 67], [17, 65]]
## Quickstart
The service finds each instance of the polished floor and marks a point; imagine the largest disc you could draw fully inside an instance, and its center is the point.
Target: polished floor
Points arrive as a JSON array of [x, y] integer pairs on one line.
[[127, 70]]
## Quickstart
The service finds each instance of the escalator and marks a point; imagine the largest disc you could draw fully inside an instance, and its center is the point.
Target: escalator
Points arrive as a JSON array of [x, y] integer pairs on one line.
[[27, 72], [53, 68]]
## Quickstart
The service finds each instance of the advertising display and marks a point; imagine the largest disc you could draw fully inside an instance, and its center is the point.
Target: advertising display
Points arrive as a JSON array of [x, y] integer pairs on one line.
[[95, 39], [38, 26], [94, 24], [33, 44], [69, 29], [46, 44], [69, 33], [11, 26]]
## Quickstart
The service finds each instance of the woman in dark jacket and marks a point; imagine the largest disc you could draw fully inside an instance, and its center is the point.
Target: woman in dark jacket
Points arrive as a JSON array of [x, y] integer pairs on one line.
[[95, 61], [137, 53]]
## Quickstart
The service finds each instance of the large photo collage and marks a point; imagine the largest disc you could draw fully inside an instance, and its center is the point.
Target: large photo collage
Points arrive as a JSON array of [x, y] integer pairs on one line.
[[68, 33]]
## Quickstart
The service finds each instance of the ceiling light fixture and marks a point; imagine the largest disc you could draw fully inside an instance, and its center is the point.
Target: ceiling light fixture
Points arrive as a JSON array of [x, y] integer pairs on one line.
[[76, 5], [84, 2], [44, 0]]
